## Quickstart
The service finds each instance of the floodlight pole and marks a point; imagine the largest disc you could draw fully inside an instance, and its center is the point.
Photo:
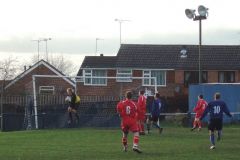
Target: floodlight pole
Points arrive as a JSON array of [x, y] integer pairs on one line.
[[202, 15], [199, 18]]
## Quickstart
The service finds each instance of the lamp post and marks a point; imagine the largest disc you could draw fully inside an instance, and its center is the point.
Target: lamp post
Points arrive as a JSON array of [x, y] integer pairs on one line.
[[203, 13], [97, 39], [120, 25]]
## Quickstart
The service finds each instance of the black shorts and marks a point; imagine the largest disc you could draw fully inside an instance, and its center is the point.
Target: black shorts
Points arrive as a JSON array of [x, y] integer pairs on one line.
[[74, 107], [215, 124]]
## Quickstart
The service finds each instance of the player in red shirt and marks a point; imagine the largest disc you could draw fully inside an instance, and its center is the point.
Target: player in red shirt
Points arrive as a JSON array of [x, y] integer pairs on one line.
[[127, 110], [141, 112], [199, 109]]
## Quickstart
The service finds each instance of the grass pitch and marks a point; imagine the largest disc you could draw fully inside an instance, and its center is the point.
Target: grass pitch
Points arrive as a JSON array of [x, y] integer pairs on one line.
[[105, 144]]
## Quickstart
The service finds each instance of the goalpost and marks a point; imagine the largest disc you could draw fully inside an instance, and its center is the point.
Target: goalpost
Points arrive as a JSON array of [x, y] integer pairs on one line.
[[153, 83]]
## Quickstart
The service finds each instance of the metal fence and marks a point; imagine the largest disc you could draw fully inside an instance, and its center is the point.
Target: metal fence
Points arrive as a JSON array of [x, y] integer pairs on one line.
[[94, 111]]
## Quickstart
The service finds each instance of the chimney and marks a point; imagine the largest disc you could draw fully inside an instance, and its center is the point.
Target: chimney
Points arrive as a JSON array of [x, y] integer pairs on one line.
[[25, 68], [101, 55]]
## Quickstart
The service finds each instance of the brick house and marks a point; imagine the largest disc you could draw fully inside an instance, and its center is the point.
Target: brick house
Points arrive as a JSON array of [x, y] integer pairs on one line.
[[174, 66], [23, 84]]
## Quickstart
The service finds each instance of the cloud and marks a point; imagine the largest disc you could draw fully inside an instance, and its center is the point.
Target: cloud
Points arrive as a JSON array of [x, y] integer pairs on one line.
[[110, 46]]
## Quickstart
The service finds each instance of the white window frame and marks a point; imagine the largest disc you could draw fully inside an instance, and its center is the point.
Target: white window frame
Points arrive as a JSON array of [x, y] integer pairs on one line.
[[47, 88], [122, 73], [88, 74], [149, 75]]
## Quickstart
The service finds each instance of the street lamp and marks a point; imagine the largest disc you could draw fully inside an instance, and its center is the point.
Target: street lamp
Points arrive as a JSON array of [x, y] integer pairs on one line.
[[120, 24], [203, 13], [97, 39]]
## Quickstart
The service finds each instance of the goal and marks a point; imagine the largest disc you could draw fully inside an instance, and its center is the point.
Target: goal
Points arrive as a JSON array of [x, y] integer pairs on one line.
[[123, 83]]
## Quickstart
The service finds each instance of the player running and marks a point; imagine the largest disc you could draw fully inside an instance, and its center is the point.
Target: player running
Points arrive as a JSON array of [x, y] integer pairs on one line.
[[141, 112], [216, 109], [127, 110], [199, 109]]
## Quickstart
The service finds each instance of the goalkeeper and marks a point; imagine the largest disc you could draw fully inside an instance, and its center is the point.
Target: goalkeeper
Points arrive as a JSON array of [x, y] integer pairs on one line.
[[72, 99]]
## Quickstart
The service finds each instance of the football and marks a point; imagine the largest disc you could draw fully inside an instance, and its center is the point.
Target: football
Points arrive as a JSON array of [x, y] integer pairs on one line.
[[68, 99]]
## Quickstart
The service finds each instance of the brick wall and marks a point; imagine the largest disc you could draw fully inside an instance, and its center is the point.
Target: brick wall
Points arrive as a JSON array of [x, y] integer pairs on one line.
[[119, 88], [212, 76], [179, 76]]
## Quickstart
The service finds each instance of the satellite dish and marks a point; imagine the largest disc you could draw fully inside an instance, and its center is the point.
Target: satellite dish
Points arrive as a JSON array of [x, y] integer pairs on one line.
[[203, 11], [183, 53], [190, 13]]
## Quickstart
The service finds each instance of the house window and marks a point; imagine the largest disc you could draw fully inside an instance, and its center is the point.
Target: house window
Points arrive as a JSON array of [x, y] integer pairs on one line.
[[226, 76], [160, 77], [95, 77], [46, 89], [124, 73], [191, 77]]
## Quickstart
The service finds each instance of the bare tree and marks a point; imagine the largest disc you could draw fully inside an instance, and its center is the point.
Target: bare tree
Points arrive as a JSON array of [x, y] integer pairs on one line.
[[9, 68], [61, 62]]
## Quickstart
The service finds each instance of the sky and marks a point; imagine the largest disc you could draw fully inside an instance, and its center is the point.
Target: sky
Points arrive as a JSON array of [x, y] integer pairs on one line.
[[74, 25]]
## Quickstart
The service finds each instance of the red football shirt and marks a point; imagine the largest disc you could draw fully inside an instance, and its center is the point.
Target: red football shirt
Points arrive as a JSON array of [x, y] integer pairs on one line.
[[199, 109], [142, 104], [127, 109]]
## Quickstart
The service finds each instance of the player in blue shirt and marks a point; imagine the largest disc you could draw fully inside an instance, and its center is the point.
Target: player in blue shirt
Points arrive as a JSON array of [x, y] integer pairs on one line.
[[215, 109], [155, 113]]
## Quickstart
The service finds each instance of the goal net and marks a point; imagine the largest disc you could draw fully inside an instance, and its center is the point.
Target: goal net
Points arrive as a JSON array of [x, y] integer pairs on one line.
[[99, 96]]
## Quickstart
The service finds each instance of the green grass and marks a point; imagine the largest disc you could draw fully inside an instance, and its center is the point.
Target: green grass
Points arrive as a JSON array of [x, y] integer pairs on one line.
[[79, 144]]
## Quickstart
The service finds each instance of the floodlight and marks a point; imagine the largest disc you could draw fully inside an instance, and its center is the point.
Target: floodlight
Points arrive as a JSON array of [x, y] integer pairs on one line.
[[190, 13], [203, 11]]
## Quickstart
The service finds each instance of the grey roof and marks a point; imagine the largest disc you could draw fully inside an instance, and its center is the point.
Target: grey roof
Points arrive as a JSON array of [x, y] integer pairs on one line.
[[168, 57], [141, 56], [97, 62]]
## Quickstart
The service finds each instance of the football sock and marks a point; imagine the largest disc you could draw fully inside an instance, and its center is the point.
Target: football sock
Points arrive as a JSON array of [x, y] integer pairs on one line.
[[156, 125], [135, 140], [219, 134], [212, 140], [124, 141], [148, 127], [194, 124], [199, 124], [142, 127]]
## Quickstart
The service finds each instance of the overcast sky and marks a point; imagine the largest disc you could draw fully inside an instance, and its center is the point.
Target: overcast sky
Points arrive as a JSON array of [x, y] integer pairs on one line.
[[74, 25]]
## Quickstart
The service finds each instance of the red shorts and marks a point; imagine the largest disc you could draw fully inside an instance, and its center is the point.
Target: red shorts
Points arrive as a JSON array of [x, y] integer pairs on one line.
[[141, 117], [129, 125]]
